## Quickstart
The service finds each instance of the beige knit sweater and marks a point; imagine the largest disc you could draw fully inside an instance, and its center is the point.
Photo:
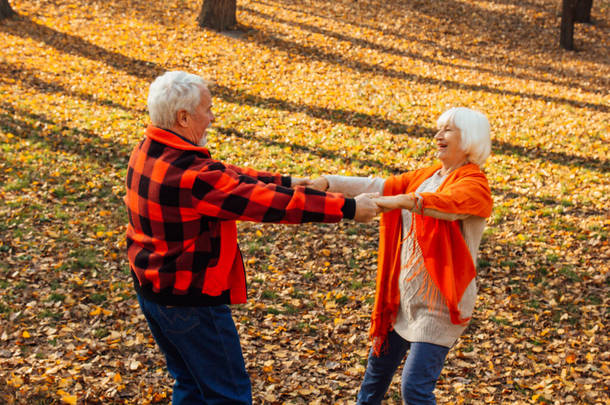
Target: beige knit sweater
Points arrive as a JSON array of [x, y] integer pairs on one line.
[[417, 319]]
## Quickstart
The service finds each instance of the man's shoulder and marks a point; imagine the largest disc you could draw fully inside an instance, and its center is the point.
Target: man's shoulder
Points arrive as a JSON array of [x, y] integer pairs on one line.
[[172, 164], [186, 159]]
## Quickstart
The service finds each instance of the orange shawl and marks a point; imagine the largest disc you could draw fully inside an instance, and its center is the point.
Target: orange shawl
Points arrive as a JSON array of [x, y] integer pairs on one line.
[[464, 191]]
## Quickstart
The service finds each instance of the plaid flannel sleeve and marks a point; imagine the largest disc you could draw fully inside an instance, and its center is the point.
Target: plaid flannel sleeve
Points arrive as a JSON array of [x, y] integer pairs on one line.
[[223, 193], [265, 177]]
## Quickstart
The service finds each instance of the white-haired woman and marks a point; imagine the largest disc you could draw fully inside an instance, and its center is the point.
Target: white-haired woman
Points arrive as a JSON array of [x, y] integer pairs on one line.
[[430, 233]]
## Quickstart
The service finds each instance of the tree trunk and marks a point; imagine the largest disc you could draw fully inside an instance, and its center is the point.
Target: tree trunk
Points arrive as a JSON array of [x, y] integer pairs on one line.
[[568, 13], [219, 15], [5, 10], [583, 11]]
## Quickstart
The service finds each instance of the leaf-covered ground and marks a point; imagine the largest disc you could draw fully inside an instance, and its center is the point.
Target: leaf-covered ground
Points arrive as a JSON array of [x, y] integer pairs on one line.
[[306, 87]]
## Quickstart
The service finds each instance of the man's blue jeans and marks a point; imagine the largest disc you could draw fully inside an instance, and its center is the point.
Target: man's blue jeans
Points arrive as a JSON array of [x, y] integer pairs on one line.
[[203, 353], [420, 373]]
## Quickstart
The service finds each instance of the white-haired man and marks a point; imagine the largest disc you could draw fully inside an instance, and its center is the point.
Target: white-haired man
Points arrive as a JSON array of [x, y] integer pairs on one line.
[[182, 238]]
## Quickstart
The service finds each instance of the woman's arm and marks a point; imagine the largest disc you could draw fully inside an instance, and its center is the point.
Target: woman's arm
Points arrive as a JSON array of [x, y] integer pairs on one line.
[[412, 202], [395, 202], [348, 185]]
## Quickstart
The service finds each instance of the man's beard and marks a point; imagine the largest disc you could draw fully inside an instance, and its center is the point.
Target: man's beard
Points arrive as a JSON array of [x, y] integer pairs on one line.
[[203, 141]]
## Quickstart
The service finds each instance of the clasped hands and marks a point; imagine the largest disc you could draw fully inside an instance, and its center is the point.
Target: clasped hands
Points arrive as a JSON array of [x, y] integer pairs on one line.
[[368, 205]]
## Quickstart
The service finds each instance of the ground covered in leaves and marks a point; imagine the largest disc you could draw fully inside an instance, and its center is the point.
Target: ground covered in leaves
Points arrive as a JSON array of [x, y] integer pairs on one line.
[[305, 87]]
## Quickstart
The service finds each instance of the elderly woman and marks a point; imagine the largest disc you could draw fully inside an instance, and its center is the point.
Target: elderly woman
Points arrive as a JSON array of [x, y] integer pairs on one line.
[[429, 237]]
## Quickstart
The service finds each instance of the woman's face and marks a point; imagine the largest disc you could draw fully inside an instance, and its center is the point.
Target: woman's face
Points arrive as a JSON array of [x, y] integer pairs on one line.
[[448, 143]]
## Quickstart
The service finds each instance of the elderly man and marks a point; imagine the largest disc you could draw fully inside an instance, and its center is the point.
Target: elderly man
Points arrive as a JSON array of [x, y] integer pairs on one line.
[[182, 238]]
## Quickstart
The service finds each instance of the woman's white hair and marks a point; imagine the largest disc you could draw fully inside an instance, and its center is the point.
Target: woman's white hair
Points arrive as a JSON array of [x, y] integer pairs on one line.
[[474, 130], [172, 92]]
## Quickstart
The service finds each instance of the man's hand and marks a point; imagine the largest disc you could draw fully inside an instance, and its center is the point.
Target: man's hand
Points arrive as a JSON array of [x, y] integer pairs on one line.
[[300, 181], [393, 202], [320, 184], [366, 209]]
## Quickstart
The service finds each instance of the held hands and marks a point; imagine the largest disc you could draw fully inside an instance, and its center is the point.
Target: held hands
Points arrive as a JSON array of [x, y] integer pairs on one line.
[[367, 205], [371, 204], [366, 209]]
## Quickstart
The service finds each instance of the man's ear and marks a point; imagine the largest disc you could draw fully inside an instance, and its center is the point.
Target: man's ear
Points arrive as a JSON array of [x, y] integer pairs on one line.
[[182, 118]]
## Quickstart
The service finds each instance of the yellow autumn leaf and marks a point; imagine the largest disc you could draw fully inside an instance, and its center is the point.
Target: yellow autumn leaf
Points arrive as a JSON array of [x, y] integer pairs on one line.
[[69, 399], [66, 397], [16, 381], [590, 357], [25, 334]]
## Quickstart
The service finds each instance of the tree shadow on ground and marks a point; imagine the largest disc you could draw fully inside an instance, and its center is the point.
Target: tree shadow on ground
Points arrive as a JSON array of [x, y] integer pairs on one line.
[[148, 71], [498, 147], [59, 137], [75, 45], [438, 10], [375, 121], [313, 53], [365, 43], [29, 77]]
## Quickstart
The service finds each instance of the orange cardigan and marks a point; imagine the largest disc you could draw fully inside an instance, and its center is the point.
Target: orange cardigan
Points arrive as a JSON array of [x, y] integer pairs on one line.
[[464, 191]]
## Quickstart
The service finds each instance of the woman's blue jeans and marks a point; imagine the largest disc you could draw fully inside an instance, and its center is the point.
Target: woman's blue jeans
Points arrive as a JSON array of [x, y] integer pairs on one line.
[[419, 375], [203, 353]]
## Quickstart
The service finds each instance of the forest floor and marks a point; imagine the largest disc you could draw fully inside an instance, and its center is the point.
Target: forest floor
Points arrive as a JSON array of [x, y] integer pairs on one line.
[[306, 87]]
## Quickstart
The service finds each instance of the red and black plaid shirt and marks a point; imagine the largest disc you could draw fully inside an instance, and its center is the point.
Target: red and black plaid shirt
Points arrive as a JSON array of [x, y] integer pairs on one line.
[[182, 206]]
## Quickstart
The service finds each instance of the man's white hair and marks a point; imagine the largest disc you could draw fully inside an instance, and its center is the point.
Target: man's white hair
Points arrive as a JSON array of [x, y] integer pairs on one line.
[[474, 130], [172, 92]]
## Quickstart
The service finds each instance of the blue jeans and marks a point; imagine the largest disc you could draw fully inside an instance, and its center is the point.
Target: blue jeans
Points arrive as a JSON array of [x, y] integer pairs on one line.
[[419, 375], [203, 353]]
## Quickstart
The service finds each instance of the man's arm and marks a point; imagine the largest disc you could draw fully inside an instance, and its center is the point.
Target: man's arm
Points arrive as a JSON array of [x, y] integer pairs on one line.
[[260, 175], [223, 193]]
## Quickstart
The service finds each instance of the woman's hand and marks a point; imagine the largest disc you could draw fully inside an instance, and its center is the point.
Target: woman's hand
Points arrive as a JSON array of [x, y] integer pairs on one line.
[[394, 202], [366, 209], [320, 184], [300, 181]]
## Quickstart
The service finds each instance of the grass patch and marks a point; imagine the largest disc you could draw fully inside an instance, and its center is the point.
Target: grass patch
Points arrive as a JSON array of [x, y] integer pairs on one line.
[[56, 297]]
